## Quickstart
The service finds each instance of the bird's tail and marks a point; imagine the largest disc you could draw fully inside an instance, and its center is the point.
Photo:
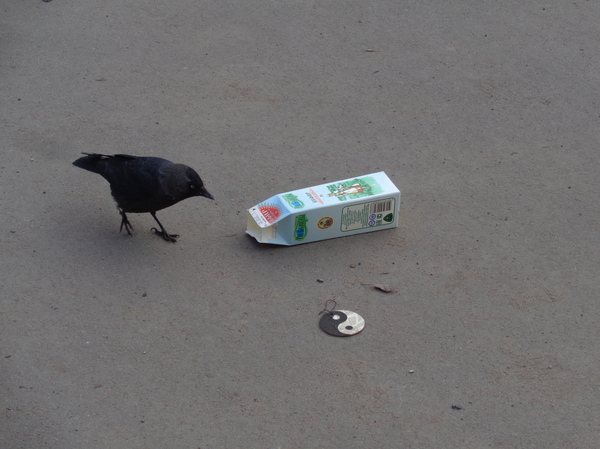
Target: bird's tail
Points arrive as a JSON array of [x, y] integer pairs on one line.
[[91, 161]]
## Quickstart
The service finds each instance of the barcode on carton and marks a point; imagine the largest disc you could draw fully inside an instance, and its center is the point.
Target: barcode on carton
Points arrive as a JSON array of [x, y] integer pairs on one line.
[[368, 215], [381, 206]]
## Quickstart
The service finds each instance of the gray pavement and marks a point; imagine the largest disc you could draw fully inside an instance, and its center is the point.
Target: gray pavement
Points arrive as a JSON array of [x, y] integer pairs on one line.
[[484, 113]]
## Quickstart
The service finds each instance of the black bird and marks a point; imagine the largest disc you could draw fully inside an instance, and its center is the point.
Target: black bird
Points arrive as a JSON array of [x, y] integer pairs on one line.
[[144, 184]]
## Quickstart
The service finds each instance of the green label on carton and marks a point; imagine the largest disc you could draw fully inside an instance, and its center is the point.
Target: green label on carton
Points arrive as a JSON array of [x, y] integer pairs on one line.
[[300, 228], [293, 200]]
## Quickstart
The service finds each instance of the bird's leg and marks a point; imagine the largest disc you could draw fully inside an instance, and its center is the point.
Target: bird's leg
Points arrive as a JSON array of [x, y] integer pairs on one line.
[[163, 232], [125, 222]]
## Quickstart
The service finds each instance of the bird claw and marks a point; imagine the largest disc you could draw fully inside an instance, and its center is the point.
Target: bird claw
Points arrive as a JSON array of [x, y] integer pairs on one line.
[[125, 222], [167, 237]]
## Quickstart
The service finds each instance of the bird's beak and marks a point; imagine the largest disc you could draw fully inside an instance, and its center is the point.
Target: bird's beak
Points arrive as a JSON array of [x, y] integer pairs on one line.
[[204, 192]]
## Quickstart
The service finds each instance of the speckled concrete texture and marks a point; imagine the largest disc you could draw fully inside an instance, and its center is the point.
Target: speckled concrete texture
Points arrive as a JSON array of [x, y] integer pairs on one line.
[[485, 114]]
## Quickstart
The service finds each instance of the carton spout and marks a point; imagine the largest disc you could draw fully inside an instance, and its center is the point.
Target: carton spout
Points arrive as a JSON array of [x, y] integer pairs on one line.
[[260, 234], [269, 212]]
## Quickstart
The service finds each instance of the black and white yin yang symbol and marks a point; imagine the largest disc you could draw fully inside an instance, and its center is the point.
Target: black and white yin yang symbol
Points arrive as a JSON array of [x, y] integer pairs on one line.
[[341, 323]]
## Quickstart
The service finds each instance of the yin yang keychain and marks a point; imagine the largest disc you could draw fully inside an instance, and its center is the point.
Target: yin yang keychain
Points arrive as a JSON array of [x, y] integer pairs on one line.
[[340, 323]]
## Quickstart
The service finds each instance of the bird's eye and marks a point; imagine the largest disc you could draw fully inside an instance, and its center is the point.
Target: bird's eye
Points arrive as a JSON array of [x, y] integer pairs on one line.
[[192, 186]]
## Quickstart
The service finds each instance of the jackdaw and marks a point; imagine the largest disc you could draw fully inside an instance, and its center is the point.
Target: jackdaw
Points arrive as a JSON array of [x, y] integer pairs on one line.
[[144, 184]]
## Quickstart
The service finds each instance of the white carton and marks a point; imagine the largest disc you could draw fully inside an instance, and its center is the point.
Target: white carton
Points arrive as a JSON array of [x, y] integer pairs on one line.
[[352, 206]]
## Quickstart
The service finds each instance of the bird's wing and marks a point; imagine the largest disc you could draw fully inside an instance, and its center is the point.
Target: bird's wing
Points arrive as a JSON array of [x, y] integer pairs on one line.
[[135, 184], [124, 157]]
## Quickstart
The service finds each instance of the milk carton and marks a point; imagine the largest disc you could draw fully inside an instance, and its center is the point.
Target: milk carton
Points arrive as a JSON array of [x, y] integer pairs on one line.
[[352, 206]]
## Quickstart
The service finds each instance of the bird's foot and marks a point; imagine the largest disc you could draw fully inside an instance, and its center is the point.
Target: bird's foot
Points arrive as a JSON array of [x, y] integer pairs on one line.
[[167, 237], [125, 222]]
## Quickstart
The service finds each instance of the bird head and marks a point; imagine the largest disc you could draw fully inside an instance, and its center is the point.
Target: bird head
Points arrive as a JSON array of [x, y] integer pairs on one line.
[[195, 185], [179, 182]]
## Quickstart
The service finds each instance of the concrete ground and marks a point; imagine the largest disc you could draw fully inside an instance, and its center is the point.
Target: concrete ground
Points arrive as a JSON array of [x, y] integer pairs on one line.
[[484, 113]]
